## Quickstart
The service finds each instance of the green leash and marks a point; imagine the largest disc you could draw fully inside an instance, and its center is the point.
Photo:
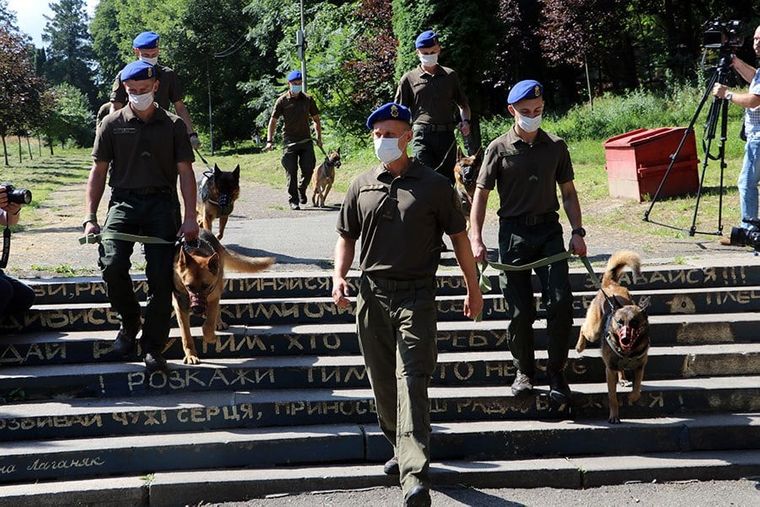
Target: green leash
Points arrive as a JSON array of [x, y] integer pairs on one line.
[[485, 283], [146, 240]]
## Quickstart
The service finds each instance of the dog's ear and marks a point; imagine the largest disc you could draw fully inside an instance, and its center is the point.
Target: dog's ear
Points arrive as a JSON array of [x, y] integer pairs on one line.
[[213, 263], [479, 154], [236, 172], [338, 150], [217, 171]]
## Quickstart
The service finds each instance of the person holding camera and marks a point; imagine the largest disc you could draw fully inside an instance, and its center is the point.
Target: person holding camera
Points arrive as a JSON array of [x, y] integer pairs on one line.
[[750, 173], [16, 297], [147, 149]]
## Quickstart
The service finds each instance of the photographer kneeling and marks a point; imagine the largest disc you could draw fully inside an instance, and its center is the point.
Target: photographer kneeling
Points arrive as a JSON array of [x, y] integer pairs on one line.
[[750, 174], [15, 296]]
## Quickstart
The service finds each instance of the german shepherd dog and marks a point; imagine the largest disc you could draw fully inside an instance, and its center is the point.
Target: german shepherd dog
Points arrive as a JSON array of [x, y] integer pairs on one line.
[[199, 282], [623, 327], [465, 175], [218, 191], [323, 179]]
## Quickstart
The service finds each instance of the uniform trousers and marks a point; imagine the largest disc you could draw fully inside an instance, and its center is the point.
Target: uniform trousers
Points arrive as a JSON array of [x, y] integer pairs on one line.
[[522, 244], [295, 156], [153, 214], [396, 325], [435, 149]]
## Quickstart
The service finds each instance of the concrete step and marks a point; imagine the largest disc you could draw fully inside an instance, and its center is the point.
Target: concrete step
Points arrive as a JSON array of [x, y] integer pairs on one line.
[[319, 283], [51, 347], [88, 317], [29, 383], [218, 410], [198, 487], [256, 448], [188, 488], [44, 460]]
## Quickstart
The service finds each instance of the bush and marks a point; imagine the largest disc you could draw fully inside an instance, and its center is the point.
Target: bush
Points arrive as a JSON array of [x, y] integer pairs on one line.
[[615, 114]]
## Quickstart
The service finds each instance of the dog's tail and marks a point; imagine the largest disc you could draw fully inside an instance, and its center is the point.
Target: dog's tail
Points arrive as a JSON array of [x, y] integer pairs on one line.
[[617, 263], [243, 264]]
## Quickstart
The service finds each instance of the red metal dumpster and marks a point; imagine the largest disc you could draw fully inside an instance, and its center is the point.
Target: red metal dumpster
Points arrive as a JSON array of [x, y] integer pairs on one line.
[[637, 161]]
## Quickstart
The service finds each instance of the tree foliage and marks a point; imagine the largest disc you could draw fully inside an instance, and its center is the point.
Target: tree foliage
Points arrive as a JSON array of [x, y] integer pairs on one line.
[[20, 88], [69, 50], [68, 115]]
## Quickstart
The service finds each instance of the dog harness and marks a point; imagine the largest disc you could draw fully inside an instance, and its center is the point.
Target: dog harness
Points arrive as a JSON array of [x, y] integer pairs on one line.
[[225, 202]]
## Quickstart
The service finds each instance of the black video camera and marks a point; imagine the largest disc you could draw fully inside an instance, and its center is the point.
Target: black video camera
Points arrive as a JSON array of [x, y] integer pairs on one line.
[[743, 237], [18, 195], [723, 35]]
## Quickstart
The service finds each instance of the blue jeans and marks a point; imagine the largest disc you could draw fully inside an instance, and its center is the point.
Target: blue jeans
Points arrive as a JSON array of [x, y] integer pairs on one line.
[[748, 180]]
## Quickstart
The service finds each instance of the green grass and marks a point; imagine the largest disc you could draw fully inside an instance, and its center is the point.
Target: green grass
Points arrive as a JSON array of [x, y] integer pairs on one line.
[[43, 174]]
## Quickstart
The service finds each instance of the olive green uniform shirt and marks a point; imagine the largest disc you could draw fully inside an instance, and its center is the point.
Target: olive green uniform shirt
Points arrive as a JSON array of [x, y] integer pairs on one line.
[[526, 174], [296, 111], [169, 90], [431, 98], [400, 220], [143, 154]]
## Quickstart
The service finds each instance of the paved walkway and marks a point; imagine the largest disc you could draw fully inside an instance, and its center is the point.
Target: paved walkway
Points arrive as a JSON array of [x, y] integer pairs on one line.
[[262, 225]]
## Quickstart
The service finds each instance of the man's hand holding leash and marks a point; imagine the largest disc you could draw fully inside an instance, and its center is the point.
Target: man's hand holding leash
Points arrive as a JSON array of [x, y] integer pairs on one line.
[[189, 229], [577, 245]]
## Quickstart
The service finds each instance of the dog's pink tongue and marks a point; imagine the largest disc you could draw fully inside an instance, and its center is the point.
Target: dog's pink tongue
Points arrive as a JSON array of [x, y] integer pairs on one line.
[[626, 337]]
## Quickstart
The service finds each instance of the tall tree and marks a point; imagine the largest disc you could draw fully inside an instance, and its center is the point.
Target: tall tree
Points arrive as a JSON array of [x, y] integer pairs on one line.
[[107, 43], [20, 88], [7, 17], [69, 51]]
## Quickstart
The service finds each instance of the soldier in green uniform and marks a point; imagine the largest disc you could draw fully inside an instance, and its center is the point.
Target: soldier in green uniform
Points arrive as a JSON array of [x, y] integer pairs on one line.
[[296, 108], [147, 148], [431, 91], [146, 48], [400, 209], [527, 164]]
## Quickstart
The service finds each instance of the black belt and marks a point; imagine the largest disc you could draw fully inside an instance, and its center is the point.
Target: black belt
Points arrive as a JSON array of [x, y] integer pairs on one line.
[[142, 190], [434, 127], [544, 218], [390, 284]]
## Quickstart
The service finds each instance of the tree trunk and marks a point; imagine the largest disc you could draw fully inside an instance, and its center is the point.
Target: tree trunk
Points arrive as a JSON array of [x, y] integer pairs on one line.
[[20, 160], [5, 151], [50, 143], [29, 147], [39, 143]]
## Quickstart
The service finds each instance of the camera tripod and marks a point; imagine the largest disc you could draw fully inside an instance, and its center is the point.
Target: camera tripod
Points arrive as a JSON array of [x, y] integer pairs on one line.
[[718, 110]]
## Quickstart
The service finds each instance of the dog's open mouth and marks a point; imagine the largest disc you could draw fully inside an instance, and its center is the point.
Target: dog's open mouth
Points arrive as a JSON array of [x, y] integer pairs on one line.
[[197, 304], [627, 337]]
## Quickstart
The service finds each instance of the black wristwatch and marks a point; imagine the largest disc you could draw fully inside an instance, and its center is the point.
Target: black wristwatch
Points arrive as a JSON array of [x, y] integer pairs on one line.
[[580, 231]]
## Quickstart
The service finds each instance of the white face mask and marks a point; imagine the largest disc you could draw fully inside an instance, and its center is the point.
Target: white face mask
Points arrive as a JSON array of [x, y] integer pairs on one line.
[[141, 102], [387, 150], [529, 124], [151, 61], [296, 89], [428, 60]]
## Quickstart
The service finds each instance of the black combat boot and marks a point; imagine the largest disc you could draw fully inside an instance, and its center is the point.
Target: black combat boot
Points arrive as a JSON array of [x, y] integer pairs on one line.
[[522, 385]]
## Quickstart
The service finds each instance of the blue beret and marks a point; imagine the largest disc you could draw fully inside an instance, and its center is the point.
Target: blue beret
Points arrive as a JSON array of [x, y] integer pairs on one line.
[[527, 89], [138, 70], [146, 40], [389, 111], [426, 39], [294, 75]]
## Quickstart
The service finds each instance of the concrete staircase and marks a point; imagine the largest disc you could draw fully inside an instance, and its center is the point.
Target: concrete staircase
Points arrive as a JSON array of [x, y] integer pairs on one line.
[[282, 403]]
